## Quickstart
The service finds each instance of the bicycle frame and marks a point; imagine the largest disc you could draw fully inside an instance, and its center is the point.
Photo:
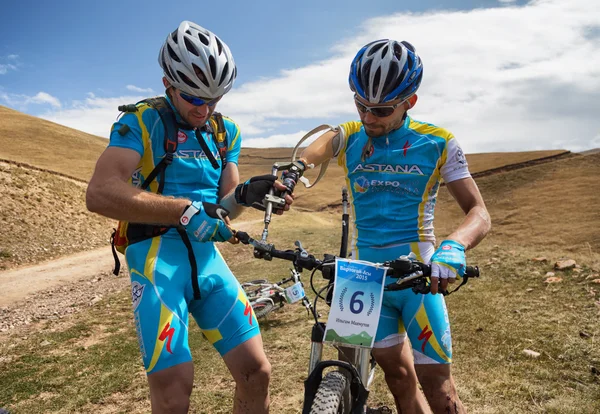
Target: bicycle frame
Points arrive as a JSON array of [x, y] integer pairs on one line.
[[354, 363]]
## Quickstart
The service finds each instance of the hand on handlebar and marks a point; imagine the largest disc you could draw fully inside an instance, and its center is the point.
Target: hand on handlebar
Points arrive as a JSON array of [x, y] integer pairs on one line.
[[252, 193], [447, 263]]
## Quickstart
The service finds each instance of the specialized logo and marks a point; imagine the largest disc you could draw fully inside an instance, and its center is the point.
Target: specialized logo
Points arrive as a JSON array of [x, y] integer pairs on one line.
[[425, 334], [361, 185], [367, 150], [248, 312], [181, 137], [406, 147], [167, 333], [397, 169], [137, 291]]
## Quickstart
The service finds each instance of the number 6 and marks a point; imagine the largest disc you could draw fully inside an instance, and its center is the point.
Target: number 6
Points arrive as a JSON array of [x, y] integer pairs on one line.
[[354, 301]]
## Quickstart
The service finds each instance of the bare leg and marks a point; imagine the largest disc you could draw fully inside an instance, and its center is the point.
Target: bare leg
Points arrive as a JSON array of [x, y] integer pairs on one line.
[[170, 389], [400, 376], [251, 371], [438, 386]]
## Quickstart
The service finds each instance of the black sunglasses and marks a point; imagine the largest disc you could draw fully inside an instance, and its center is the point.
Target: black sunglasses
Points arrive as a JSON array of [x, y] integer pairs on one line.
[[378, 111]]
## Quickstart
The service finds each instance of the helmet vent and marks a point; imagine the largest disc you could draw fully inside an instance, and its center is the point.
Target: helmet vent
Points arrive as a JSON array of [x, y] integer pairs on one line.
[[174, 36], [397, 51], [172, 54], [190, 47], [213, 66], [392, 74], [375, 49], [384, 51], [166, 68], [224, 73], [200, 74], [203, 39], [376, 79], [187, 80], [219, 46]]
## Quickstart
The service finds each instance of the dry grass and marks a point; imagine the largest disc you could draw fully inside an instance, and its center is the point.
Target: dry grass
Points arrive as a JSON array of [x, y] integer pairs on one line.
[[494, 319], [546, 210], [44, 216], [44, 144]]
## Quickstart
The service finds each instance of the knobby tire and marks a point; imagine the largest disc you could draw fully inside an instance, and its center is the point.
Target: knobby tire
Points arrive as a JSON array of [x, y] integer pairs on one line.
[[262, 309], [329, 397]]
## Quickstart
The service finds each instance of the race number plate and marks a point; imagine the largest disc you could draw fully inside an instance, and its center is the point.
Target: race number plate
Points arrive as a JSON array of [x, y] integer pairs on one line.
[[294, 293], [356, 303]]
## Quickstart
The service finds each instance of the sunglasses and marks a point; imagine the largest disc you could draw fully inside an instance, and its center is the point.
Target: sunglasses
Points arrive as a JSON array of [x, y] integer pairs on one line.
[[378, 111], [196, 101]]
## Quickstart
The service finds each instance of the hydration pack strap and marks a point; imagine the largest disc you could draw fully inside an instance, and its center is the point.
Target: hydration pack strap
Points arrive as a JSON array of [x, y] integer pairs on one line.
[[192, 258]]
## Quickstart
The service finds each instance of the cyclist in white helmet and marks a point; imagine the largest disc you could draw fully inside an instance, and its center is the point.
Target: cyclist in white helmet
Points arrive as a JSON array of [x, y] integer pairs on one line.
[[176, 216], [394, 166]]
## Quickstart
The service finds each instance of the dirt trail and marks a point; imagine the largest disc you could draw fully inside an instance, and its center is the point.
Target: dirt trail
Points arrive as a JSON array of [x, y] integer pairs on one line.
[[17, 284]]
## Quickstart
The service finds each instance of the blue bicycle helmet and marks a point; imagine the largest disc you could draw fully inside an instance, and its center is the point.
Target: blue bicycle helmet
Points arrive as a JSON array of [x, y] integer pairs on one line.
[[386, 70]]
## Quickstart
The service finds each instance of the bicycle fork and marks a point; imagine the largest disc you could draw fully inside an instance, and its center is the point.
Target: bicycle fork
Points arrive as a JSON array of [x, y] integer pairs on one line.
[[354, 363]]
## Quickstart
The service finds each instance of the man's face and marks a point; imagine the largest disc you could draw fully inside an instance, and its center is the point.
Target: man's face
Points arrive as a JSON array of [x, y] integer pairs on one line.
[[379, 120], [194, 110], [197, 112]]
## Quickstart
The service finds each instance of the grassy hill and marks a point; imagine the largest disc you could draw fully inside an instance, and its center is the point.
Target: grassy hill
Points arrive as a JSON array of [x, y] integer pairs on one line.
[[547, 209], [46, 145]]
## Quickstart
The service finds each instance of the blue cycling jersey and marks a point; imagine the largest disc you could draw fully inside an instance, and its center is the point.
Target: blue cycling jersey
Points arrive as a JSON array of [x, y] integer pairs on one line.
[[159, 267], [394, 180], [191, 174]]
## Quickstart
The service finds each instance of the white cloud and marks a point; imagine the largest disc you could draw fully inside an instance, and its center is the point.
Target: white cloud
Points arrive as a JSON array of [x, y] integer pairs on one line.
[[134, 88], [508, 78], [4, 68], [22, 101], [507, 1], [93, 115], [44, 98], [12, 57]]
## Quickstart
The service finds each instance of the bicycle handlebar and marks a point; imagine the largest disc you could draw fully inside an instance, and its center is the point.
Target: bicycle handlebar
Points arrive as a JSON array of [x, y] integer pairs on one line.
[[410, 273]]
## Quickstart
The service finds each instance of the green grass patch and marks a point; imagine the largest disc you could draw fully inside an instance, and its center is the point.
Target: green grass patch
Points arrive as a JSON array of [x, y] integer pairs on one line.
[[93, 364]]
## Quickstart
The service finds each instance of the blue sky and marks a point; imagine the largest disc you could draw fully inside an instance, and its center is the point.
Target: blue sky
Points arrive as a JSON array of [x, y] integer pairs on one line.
[[502, 75]]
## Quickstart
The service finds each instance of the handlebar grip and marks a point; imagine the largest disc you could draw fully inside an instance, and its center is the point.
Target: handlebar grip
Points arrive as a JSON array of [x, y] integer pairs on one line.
[[470, 271]]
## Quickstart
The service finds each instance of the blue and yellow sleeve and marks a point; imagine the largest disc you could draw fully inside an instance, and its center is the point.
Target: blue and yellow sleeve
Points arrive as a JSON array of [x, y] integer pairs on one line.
[[127, 133], [234, 140]]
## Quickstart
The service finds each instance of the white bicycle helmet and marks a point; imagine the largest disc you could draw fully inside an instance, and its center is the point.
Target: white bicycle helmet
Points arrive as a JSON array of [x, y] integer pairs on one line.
[[386, 70], [197, 62]]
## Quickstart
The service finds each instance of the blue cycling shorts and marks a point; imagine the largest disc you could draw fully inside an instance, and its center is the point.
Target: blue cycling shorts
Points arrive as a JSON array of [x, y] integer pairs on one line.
[[423, 318], [162, 295]]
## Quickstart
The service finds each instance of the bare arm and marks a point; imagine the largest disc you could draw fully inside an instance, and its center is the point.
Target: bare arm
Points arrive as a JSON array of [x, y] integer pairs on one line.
[[321, 150], [230, 178], [110, 194], [477, 223]]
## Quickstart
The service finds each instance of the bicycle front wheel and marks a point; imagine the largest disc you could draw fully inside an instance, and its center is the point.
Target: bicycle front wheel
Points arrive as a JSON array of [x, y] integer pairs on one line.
[[262, 309], [329, 398]]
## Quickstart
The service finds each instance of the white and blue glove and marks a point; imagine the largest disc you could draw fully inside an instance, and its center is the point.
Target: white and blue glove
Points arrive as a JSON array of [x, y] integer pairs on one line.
[[447, 263], [205, 222]]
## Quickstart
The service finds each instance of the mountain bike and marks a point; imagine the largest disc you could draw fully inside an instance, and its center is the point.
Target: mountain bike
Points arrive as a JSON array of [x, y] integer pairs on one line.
[[265, 297], [346, 389]]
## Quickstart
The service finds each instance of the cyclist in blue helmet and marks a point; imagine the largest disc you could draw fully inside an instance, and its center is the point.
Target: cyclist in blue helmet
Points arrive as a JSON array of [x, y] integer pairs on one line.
[[394, 166], [182, 221]]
